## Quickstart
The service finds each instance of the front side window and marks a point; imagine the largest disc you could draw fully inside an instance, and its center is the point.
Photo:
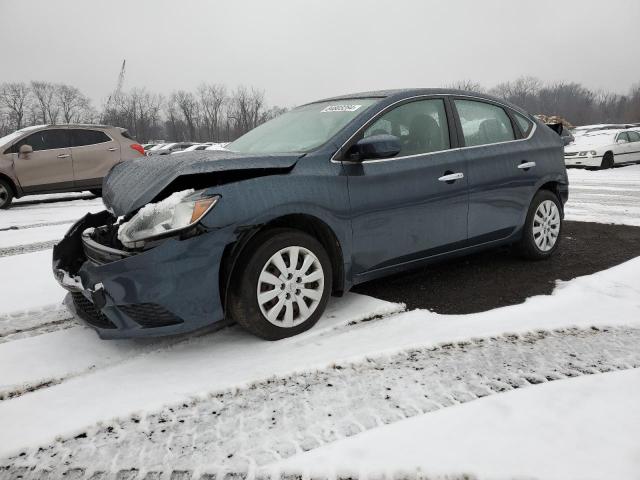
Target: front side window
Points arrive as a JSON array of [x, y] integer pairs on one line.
[[44, 140], [483, 123], [623, 137], [634, 136], [82, 137], [421, 127], [301, 129]]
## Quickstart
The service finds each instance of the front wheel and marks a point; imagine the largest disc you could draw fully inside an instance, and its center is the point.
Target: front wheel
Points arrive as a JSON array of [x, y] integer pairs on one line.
[[543, 226], [607, 161], [281, 284], [6, 194]]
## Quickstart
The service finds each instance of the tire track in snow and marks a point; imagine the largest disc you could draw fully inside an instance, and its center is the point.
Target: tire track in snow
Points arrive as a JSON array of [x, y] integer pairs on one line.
[[27, 248], [242, 431], [17, 325], [36, 225]]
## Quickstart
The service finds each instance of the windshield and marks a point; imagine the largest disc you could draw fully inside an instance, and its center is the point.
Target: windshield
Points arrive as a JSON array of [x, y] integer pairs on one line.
[[301, 129]]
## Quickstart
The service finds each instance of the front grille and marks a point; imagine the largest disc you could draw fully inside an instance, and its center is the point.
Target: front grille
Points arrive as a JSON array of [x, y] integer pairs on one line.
[[89, 313], [150, 315], [570, 154]]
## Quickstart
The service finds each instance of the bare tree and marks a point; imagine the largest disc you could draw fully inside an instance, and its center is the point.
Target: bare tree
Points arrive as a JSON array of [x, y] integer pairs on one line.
[[523, 92], [75, 106], [46, 101], [247, 109], [187, 106], [468, 85], [15, 98], [212, 98]]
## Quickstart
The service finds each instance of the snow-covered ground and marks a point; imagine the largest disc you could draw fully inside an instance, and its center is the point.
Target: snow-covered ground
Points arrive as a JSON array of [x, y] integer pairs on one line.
[[371, 390], [607, 196]]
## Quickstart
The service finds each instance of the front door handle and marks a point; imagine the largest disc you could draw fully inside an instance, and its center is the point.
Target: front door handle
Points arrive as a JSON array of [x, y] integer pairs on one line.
[[526, 165], [112, 149], [64, 155], [451, 177]]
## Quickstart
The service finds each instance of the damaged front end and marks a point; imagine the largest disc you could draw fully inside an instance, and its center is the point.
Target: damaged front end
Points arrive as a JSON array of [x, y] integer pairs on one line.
[[153, 272]]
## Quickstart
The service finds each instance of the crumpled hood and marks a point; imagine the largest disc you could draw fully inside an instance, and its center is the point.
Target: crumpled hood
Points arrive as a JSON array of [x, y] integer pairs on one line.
[[132, 184]]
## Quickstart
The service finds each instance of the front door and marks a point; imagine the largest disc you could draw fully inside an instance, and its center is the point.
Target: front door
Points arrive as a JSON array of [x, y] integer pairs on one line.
[[50, 166], [415, 204], [94, 153]]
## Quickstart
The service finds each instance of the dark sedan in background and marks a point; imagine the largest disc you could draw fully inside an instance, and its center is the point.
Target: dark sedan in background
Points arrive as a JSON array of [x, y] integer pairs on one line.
[[326, 196]]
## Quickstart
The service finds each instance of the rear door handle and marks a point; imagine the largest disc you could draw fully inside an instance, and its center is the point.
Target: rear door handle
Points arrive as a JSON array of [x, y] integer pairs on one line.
[[526, 165], [451, 177], [64, 155], [112, 149]]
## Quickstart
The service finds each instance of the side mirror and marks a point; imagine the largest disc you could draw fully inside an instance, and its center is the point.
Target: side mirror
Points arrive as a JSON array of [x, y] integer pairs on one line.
[[25, 150], [375, 147]]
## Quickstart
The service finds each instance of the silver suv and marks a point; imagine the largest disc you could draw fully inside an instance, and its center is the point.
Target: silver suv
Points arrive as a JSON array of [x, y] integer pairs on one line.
[[61, 158]]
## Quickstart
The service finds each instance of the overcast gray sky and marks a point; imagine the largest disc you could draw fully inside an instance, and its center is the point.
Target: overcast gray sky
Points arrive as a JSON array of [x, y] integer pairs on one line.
[[299, 50]]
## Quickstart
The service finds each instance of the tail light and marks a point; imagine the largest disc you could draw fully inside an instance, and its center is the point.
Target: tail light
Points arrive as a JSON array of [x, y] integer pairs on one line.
[[138, 148]]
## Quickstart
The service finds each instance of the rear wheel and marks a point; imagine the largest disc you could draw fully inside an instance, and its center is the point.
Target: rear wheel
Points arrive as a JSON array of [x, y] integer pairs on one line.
[[6, 194], [281, 284], [607, 160], [543, 226]]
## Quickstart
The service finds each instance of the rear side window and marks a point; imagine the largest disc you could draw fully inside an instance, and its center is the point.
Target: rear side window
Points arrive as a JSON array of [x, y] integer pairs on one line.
[[44, 140], [634, 136], [126, 134], [524, 123], [81, 137], [483, 123], [421, 127]]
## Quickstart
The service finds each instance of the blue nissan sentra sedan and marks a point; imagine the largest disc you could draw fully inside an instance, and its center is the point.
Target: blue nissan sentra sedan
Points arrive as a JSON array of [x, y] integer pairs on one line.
[[328, 195]]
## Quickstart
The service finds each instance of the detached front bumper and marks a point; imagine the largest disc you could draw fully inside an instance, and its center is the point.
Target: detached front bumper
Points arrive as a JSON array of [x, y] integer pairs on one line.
[[170, 289]]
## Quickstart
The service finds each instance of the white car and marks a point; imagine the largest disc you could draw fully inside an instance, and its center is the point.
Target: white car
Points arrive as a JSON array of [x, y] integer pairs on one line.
[[603, 149]]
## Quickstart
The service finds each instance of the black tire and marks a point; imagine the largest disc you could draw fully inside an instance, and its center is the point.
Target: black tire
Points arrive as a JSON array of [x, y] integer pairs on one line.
[[527, 246], [607, 161], [96, 191], [6, 194], [242, 299]]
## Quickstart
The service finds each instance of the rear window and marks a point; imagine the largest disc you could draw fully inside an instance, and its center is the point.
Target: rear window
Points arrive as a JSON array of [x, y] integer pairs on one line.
[[82, 137]]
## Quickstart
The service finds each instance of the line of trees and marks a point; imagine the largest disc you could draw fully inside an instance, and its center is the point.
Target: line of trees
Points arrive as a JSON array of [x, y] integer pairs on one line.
[[570, 100], [212, 112]]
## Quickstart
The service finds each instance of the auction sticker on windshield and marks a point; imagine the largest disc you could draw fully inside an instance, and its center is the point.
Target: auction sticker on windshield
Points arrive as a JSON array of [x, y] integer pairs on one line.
[[340, 108]]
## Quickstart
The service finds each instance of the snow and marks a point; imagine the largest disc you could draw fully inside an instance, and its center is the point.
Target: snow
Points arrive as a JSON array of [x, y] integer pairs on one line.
[[586, 427], [26, 236], [94, 381], [604, 196], [31, 285]]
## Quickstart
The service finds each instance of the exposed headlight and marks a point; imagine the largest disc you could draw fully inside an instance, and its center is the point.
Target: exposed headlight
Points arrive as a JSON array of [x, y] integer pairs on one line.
[[175, 213], [582, 154], [593, 153]]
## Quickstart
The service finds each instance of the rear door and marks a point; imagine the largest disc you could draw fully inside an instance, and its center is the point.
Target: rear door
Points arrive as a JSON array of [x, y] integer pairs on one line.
[[94, 153], [49, 167], [501, 166], [623, 149], [406, 208]]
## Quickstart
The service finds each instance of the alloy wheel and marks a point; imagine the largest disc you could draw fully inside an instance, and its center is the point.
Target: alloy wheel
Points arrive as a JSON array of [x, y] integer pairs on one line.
[[290, 286], [546, 225]]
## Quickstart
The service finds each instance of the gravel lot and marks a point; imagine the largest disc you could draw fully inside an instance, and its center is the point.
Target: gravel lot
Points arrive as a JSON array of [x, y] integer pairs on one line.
[[498, 277]]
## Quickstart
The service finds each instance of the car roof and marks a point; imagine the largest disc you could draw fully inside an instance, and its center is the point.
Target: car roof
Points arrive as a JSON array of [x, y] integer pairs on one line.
[[72, 125], [404, 93]]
